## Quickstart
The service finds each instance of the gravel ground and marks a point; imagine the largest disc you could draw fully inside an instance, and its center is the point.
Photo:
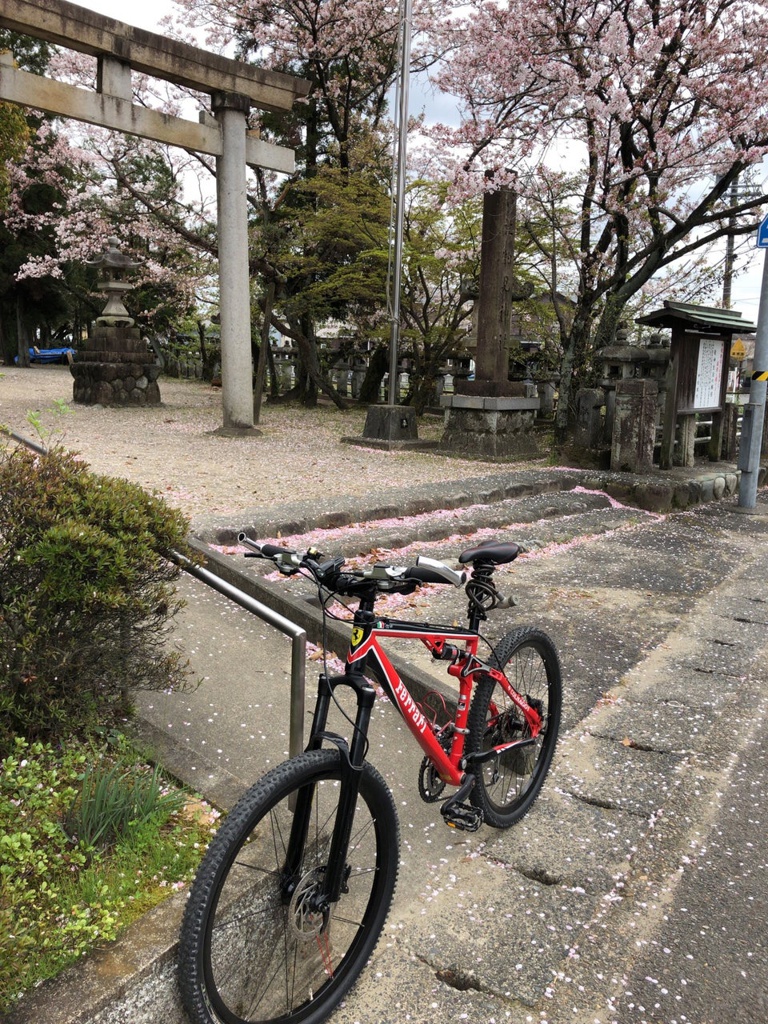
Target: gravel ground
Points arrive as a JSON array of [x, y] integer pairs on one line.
[[172, 448]]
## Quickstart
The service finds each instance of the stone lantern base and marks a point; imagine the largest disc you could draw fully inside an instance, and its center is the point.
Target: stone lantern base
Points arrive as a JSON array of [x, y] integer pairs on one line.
[[115, 369]]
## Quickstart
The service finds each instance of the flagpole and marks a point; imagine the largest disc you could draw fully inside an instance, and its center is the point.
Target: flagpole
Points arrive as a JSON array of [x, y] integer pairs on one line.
[[402, 147]]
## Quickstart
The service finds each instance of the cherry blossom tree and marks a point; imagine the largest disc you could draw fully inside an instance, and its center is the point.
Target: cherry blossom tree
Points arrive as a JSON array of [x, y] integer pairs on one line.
[[346, 48], [37, 297], [664, 105], [348, 51]]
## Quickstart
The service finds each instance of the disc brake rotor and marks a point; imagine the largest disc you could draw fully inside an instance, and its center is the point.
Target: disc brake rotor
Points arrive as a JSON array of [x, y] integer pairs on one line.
[[305, 921]]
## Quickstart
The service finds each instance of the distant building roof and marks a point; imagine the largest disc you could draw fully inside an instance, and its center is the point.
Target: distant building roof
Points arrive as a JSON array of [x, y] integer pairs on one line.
[[706, 318]]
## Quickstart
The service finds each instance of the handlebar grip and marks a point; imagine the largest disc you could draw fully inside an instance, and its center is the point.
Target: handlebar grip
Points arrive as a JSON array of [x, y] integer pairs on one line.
[[270, 550], [424, 574], [265, 550]]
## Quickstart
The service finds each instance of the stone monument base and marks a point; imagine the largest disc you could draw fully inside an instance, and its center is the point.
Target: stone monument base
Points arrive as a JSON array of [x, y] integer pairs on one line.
[[489, 427], [390, 423]]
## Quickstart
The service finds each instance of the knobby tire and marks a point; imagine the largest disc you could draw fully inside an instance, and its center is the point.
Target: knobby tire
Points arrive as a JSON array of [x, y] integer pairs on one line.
[[508, 784], [252, 948]]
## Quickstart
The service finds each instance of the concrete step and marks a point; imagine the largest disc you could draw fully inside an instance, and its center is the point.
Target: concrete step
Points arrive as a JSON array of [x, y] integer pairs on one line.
[[657, 492]]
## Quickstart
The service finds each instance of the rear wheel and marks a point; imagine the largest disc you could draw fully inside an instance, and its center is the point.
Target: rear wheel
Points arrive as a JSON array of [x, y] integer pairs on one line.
[[256, 945], [509, 782]]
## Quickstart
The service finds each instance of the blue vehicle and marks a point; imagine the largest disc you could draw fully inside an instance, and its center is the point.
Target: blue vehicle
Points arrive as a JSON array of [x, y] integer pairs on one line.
[[49, 355]]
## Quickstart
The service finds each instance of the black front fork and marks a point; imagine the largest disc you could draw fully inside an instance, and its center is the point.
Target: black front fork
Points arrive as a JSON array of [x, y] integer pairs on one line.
[[352, 760]]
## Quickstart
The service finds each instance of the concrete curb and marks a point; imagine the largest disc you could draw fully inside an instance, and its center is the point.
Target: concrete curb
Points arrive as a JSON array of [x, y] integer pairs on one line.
[[656, 492]]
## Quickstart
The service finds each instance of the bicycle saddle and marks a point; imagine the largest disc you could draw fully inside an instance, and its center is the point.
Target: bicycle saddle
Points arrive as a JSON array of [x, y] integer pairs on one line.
[[493, 552]]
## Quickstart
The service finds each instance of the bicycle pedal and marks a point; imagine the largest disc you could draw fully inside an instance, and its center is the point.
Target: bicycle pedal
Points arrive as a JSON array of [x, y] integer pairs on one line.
[[462, 816]]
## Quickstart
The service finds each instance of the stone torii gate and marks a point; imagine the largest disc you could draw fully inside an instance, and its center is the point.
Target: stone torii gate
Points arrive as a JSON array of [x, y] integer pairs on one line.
[[233, 87]]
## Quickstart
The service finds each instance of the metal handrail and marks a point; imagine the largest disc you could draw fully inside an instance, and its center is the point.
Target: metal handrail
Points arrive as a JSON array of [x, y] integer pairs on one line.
[[26, 441], [297, 634]]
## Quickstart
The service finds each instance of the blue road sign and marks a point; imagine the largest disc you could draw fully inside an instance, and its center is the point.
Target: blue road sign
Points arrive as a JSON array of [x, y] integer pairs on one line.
[[762, 234]]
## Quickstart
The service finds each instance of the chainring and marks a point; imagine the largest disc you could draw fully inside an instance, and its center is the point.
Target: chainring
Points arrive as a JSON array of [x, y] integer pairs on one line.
[[431, 786]]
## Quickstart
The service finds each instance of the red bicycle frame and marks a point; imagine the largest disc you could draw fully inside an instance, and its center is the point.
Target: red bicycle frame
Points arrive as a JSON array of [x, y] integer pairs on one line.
[[465, 667]]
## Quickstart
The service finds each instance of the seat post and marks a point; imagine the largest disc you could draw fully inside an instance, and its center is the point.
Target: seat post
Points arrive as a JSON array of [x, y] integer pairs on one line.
[[481, 594]]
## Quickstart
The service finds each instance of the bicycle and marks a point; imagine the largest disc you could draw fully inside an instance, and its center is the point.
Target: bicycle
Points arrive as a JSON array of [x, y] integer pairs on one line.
[[294, 890]]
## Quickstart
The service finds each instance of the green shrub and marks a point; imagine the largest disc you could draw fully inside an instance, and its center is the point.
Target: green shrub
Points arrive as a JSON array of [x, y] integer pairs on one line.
[[61, 896], [86, 595]]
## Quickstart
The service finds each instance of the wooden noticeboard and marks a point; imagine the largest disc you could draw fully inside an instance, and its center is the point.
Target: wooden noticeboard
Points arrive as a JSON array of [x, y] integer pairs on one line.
[[702, 374], [698, 384], [697, 377]]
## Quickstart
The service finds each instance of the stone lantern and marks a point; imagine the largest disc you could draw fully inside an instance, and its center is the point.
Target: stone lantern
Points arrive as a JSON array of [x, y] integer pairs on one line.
[[116, 367]]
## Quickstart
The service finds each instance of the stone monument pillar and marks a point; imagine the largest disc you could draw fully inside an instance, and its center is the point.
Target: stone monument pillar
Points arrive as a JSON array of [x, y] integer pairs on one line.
[[490, 416], [634, 425], [116, 367]]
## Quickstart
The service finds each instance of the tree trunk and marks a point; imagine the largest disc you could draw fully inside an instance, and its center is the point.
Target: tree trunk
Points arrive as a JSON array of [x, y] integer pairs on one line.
[[261, 366], [574, 347], [274, 383], [378, 365], [206, 356], [22, 340]]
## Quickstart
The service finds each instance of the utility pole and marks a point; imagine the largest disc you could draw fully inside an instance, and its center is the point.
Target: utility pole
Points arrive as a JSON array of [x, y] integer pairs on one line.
[[730, 248], [394, 424], [754, 410], [402, 152]]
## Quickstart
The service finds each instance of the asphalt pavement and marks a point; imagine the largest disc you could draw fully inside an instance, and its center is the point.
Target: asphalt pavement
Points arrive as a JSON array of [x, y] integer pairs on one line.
[[633, 890]]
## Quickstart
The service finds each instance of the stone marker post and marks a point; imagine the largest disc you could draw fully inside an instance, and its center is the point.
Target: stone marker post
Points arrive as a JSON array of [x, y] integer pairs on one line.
[[634, 425], [491, 416]]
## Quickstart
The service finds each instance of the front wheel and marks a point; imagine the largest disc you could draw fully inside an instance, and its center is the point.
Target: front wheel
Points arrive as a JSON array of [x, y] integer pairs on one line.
[[509, 782], [256, 944]]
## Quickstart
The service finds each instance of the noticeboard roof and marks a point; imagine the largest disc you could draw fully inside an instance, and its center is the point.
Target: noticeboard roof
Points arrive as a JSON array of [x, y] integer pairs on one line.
[[705, 318]]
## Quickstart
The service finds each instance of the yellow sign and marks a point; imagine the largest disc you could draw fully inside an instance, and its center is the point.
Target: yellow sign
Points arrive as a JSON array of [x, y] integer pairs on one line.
[[357, 636], [738, 350]]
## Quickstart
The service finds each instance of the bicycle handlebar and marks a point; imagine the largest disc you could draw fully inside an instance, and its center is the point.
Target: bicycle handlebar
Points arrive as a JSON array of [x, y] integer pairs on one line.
[[379, 577]]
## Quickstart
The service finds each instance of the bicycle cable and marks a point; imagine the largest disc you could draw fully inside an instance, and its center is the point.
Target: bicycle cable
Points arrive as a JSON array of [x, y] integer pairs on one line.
[[326, 614]]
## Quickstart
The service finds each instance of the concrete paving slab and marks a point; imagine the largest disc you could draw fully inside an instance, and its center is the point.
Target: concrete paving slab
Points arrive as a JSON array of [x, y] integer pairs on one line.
[[501, 932], [617, 774], [566, 841], [404, 989], [651, 726]]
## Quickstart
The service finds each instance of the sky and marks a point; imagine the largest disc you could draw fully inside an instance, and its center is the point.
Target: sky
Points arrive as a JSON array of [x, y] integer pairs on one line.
[[144, 14], [746, 287]]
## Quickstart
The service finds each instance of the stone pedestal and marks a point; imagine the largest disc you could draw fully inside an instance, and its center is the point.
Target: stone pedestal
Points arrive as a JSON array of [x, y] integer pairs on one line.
[[391, 423], [490, 427], [116, 368], [634, 426]]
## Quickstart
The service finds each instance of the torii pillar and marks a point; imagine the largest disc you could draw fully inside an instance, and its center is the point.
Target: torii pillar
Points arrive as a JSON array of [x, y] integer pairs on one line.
[[231, 112]]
